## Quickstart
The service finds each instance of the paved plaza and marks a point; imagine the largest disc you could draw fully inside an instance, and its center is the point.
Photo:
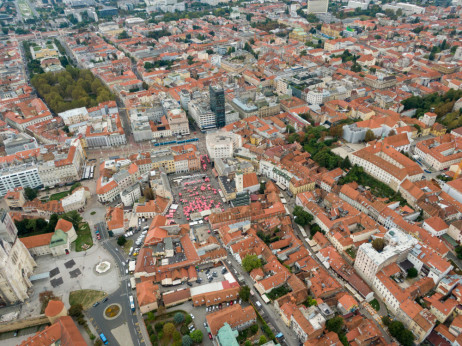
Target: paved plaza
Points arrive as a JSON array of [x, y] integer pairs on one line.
[[69, 273]]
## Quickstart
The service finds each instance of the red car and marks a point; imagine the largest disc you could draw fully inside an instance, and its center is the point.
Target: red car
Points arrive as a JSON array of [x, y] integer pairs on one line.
[[231, 303], [210, 336]]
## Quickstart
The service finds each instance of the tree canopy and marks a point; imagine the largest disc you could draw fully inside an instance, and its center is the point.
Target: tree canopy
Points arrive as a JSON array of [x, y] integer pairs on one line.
[[302, 217], [196, 336], [378, 244], [335, 324], [244, 293], [403, 335], [412, 273], [71, 88], [251, 262], [30, 193]]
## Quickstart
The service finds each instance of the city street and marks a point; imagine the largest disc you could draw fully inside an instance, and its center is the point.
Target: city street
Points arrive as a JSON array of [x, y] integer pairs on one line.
[[268, 312], [132, 321]]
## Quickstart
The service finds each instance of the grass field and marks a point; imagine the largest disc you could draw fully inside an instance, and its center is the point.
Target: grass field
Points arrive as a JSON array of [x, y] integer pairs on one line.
[[83, 237], [127, 246], [375, 304], [59, 195], [86, 297]]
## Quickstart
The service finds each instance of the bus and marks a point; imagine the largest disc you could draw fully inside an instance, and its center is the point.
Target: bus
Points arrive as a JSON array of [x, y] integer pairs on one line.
[[302, 230], [265, 298], [103, 339], [132, 303]]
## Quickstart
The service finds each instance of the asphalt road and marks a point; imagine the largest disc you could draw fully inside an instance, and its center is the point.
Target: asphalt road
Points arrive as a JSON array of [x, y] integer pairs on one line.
[[134, 323]]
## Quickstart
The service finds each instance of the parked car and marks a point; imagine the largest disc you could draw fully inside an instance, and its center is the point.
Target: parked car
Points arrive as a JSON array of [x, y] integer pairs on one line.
[[205, 324], [96, 304], [192, 316], [210, 336], [189, 284], [105, 300]]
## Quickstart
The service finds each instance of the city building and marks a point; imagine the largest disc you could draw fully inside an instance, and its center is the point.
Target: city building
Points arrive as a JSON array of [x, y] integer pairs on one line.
[[369, 261], [236, 316], [15, 199], [16, 264], [19, 142], [63, 332], [55, 244], [386, 164], [317, 6], [222, 144], [217, 104]]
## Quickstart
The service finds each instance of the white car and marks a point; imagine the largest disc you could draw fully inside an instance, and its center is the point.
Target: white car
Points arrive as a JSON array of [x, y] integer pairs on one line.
[[192, 316]]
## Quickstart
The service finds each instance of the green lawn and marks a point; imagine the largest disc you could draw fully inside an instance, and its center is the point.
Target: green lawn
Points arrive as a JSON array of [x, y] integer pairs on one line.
[[127, 246], [59, 195], [375, 304], [83, 237], [85, 297]]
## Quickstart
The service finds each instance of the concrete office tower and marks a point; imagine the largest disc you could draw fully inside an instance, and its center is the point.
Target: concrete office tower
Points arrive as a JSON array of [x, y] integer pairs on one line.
[[217, 104], [317, 6]]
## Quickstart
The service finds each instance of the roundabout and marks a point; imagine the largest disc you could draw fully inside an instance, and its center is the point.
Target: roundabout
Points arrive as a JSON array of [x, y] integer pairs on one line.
[[112, 311]]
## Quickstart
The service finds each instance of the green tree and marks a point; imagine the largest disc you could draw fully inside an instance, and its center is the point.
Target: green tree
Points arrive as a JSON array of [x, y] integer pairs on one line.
[[176, 335], [52, 223], [369, 136], [121, 240], [188, 319], [74, 217], [302, 217], [262, 188], [244, 293], [76, 310], [186, 340], [412, 272], [378, 244], [196, 336], [158, 326], [248, 343], [251, 262], [335, 324], [262, 340], [386, 320], [346, 164], [123, 35], [168, 329], [178, 318], [30, 193]]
